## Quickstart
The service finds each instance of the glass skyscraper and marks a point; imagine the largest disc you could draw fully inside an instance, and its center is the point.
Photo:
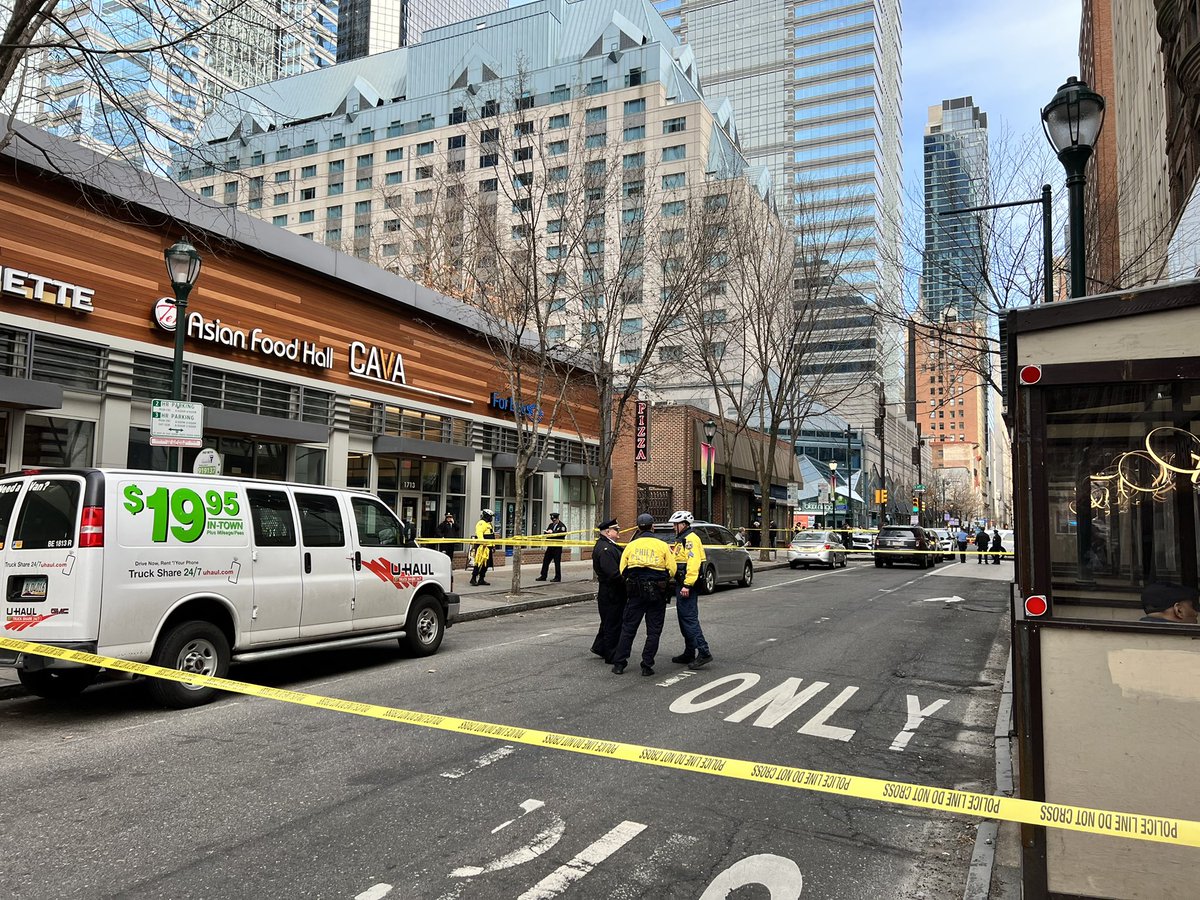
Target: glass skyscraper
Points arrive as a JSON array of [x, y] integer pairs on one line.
[[954, 265], [816, 87], [88, 85], [374, 26]]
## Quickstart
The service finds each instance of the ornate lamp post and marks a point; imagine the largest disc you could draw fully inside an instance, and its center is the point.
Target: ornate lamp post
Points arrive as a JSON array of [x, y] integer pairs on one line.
[[183, 266], [1072, 122], [710, 432]]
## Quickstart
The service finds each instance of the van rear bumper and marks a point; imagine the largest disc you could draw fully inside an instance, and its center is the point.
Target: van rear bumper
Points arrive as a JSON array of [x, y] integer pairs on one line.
[[31, 662], [452, 605]]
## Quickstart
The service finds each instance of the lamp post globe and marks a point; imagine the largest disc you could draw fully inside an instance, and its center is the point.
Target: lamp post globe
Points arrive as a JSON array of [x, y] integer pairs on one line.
[[1072, 121], [183, 268]]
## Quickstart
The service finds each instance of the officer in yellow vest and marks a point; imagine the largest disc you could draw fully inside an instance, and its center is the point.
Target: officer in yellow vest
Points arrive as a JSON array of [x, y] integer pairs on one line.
[[689, 559], [481, 556], [648, 567]]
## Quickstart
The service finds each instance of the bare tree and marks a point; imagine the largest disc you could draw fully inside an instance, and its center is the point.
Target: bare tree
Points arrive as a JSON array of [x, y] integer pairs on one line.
[[782, 332], [138, 66]]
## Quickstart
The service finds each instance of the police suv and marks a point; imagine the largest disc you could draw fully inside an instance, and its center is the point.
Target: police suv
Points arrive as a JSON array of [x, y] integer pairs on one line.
[[194, 572]]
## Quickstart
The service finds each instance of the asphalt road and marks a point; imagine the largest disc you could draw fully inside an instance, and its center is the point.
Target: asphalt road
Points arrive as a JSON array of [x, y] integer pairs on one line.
[[247, 798]]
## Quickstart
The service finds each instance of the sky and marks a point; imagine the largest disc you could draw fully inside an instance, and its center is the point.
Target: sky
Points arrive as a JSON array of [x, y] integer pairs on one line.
[[1010, 55]]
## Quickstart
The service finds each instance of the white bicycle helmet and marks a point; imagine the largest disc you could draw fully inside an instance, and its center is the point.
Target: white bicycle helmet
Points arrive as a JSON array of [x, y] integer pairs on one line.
[[681, 515], [486, 513]]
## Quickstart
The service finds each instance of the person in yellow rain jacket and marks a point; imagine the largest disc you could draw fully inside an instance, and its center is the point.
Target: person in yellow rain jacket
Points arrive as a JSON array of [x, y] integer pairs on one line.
[[689, 561], [481, 554], [648, 567]]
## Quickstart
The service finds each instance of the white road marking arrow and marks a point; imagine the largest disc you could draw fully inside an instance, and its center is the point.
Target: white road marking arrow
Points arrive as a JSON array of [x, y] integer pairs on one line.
[[954, 599]]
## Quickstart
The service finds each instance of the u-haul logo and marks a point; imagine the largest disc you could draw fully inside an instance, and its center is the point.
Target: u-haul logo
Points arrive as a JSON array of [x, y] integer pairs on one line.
[[408, 575], [19, 619]]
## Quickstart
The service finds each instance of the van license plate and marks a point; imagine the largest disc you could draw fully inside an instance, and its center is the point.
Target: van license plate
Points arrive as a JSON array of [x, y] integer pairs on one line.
[[34, 588]]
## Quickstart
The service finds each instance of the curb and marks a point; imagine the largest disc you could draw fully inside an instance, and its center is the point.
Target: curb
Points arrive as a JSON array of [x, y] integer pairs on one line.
[[983, 857], [523, 606]]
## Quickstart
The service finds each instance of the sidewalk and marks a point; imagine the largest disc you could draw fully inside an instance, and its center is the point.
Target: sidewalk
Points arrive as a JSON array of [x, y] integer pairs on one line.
[[482, 602]]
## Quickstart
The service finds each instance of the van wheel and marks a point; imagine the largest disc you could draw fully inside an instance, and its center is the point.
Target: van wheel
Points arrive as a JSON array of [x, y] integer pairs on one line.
[[710, 580], [425, 629], [879, 563], [747, 578], [57, 684], [198, 647]]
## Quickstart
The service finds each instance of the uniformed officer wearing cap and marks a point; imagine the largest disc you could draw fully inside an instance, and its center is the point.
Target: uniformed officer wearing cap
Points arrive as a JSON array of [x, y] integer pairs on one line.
[[610, 592], [554, 537], [649, 569]]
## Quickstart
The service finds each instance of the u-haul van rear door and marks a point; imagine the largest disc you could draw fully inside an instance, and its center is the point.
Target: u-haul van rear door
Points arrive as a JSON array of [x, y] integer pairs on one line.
[[52, 562]]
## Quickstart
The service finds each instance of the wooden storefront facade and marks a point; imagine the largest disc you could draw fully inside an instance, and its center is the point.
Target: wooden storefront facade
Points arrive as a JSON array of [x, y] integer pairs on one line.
[[312, 365]]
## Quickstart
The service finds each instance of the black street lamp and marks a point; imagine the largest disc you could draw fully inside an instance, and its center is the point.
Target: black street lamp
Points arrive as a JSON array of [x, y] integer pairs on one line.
[[1072, 121], [710, 432], [183, 266]]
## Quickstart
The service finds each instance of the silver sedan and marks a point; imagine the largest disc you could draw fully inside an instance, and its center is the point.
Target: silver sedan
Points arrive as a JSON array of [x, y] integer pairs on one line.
[[821, 547]]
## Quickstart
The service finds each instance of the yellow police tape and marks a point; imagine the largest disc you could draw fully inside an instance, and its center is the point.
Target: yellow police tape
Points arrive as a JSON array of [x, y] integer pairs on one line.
[[1160, 829]]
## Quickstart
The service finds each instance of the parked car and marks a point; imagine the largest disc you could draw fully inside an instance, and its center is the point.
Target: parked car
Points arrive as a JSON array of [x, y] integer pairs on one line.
[[725, 561], [823, 547], [946, 543], [905, 544], [862, 540]]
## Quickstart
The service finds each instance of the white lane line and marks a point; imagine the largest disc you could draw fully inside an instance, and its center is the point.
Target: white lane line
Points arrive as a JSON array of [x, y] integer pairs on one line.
[[797, 580], [674, 679], [375, 892], [482, 762], [527, 807], [590, 857]]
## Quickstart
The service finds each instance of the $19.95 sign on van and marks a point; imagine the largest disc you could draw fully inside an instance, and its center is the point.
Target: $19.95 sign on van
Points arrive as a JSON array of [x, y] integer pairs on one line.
[[163, 514]]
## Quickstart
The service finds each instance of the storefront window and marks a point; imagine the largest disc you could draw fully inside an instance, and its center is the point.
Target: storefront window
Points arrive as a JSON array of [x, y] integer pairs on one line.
[[431, 477], [54, 442], [358, 470], [310, 465], [1122, 464], [140, 455]]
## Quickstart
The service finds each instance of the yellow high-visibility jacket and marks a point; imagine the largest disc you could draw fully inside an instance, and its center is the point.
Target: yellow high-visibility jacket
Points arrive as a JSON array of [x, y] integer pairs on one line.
[[689, 556], [483, 552], [645, 552]]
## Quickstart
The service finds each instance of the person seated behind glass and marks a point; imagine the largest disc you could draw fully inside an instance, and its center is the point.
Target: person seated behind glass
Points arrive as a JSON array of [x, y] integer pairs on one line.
[[741, 538], [1173, 603]]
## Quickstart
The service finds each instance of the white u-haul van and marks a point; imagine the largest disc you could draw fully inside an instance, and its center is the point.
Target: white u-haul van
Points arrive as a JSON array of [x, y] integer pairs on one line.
[[194, 572]]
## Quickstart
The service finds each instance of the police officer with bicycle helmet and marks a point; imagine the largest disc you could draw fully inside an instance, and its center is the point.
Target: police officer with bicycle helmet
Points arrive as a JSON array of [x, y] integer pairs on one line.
[[689, 563]]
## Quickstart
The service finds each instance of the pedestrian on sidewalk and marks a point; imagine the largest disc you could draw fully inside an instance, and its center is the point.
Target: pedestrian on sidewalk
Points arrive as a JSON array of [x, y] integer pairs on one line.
[[481, 555], [689, 563], [610, 590], [981, 546], [648, 567], [447, 530], [963, 539], [997, 546], [553, 535]]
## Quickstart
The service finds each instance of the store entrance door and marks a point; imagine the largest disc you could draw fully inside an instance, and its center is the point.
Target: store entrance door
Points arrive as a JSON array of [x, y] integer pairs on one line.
[[410, 506]]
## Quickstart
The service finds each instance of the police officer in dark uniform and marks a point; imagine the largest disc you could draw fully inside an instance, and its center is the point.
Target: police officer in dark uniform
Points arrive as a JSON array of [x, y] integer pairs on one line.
[[649, 569], [610, 593], [554, 532]]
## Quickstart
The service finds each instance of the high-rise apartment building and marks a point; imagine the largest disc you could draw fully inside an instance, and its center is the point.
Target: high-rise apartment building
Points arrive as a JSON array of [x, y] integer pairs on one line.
[[593, 95], [954, 265], [373, 26], [143, 105]]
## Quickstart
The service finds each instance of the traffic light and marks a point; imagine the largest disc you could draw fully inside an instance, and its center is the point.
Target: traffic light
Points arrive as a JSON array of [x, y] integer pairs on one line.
[[881, 497], [916, 500]]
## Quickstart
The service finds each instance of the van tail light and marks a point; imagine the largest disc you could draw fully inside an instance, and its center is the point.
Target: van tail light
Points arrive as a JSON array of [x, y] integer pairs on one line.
[[91, 527], [828, 546]]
